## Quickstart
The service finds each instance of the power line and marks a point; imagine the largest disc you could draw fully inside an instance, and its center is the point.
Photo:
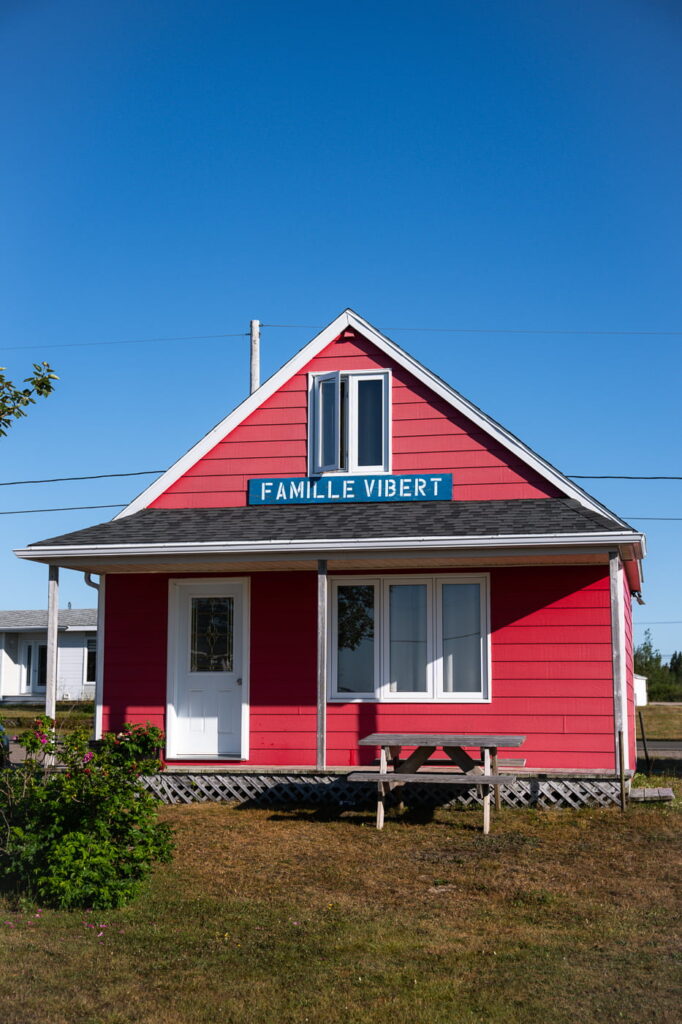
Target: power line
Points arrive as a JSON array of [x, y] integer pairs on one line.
[[70, 508], [315, 327], [124, 341], [96, 476], [524, 330], [578, 476], [502, 330], [658, 519], [664, 622], [150, 472], [76, 508]]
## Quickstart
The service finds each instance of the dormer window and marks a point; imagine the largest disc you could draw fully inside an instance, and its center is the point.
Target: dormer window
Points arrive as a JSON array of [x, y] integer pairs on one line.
[[350, 422]]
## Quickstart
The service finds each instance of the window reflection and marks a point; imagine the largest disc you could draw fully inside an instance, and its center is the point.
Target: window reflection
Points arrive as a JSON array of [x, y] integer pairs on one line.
[[408, 650], [355, 647]]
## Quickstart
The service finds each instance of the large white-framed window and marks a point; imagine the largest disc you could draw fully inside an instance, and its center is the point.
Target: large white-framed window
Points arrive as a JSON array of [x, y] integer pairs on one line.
[[349, 418], [410, 638]]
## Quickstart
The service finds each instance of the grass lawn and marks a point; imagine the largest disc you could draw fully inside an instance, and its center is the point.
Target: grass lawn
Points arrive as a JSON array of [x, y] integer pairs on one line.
[[269, 917], [70, 715], [661, 721]]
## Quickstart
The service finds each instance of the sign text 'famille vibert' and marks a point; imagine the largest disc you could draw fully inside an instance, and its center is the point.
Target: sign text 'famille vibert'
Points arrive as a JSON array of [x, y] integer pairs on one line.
[[315, 490]]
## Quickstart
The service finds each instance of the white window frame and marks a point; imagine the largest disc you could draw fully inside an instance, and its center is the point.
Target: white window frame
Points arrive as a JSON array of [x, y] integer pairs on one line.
[[347, 446], [434, 604]]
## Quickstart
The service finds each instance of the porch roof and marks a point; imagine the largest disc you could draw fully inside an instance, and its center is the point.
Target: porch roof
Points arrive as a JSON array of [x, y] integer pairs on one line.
[[352, 522], [360, 537]]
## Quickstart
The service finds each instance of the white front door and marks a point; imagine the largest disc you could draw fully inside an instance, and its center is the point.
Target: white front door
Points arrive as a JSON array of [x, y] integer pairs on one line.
[[34, 661], [206, 668]]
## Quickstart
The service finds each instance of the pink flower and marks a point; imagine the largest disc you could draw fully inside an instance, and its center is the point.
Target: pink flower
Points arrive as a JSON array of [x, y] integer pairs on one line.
[[88, 757]]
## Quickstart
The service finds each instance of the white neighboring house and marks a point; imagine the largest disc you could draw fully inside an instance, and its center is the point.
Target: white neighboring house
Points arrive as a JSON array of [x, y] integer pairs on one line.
[[23, 655], [641, 696]]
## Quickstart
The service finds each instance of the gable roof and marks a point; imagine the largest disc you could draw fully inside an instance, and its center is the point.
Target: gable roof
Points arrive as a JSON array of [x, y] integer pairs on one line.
[[350, 319]]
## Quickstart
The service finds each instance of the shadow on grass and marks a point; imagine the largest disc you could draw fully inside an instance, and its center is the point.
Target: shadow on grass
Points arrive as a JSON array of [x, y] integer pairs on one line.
[[669, 766]]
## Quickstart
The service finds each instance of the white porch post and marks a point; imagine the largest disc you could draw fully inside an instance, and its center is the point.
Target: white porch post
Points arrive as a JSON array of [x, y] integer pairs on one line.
[[52, 626], [620, 723], [321, 664]]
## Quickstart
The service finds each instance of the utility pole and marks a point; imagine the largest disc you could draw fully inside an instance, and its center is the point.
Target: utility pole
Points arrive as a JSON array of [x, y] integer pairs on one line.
[[255, 355]]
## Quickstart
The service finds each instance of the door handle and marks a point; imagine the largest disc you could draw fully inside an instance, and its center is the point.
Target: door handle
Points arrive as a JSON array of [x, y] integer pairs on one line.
[[239, 681]]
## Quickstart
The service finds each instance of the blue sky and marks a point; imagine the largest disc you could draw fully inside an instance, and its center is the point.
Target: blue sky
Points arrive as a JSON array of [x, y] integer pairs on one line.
[[172, 168]]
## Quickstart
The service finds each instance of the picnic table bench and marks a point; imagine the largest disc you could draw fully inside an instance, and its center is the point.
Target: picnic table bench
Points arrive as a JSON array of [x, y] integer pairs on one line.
[[464, 771]]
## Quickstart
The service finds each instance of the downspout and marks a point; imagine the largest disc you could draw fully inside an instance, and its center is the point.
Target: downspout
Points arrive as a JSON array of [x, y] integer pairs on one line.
[[99, 676]]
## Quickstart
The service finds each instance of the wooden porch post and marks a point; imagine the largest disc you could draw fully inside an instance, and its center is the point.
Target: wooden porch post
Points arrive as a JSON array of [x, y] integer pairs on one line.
[[52, 625], [321, 663]]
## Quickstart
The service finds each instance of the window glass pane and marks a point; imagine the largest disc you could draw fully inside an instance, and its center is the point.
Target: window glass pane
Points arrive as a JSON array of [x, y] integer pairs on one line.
[[42, 665], [370, 423], [355, 647], [212, 634], [408, 653], [462, 638], [328, 423], [91, 671]]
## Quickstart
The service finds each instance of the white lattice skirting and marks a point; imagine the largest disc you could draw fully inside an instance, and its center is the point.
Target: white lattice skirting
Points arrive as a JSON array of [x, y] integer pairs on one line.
[[260, 789]]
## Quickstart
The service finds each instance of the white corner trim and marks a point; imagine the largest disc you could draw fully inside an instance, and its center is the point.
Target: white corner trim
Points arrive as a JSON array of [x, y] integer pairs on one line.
[[351, 319]]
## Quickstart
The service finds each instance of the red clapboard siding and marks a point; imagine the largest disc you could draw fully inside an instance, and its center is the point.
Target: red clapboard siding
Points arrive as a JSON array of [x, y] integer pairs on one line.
[[272, 441], [558, 694]]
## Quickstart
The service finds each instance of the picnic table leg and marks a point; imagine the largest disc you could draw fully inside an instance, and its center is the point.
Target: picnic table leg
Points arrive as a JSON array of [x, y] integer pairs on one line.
[[496, 789], [382, 790], [485, 754], [395, 760]]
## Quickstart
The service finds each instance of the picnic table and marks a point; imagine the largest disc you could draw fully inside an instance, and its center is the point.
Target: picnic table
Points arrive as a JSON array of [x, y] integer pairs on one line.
[[461, 769]]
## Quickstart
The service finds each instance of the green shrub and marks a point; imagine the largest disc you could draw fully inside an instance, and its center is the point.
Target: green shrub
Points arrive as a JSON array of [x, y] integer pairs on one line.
[[83, 833], [136, 746]]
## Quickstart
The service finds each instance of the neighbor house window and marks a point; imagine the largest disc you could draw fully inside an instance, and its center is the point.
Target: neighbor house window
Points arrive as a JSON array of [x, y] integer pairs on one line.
[[410, 638], [349, 420], [91, 662]]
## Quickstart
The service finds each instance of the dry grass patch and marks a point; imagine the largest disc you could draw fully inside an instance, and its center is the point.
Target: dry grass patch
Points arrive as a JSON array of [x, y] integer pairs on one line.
[[661, 721], [286, 917]]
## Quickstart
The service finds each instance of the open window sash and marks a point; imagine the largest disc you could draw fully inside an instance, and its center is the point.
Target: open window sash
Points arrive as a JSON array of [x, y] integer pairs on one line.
[[327, 406]]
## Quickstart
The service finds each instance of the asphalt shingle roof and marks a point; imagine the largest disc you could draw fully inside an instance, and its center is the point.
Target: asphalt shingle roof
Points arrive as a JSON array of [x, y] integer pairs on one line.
[[36, 618], [340, 522]]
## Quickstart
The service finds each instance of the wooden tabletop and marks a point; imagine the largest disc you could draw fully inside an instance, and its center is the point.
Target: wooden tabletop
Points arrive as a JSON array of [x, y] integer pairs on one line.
[[438, 739]]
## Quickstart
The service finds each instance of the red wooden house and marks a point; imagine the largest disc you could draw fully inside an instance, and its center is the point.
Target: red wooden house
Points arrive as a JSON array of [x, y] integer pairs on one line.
[[358, 548]]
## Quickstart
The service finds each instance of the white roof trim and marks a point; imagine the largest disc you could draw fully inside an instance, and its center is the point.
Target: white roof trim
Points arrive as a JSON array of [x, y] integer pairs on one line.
[[606, 539], [350, 319]]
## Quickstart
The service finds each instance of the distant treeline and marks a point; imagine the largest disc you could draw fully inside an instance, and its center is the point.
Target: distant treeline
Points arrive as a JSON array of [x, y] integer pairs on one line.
[[664, 682]]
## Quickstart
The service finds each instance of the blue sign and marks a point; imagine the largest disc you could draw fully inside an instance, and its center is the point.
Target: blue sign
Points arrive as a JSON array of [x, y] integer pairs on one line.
[[318, 490]]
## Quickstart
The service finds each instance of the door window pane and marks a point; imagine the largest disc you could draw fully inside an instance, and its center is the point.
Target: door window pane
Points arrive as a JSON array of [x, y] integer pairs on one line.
[[370, 423], [211, 647], [355, 646], [329, 419], [461, 638], [408, 650]]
